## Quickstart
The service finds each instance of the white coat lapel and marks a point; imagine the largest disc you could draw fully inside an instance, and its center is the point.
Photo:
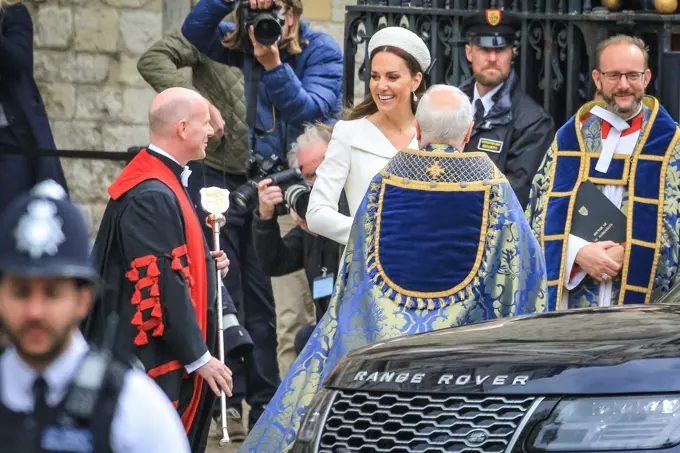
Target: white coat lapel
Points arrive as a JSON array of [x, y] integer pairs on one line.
[[368, 138]]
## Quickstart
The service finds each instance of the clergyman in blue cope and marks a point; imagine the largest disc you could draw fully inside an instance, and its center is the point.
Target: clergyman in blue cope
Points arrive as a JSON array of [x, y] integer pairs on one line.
[[439, 240]]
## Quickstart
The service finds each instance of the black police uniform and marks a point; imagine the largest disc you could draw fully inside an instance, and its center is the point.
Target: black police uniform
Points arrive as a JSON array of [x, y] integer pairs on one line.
[[60, 428], [516, 132], [82, 421]]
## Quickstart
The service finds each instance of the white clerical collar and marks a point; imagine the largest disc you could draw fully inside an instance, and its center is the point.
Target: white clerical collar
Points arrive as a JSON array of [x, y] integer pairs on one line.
[[487, 100], [618, 125], [17, 377], [185, 172]]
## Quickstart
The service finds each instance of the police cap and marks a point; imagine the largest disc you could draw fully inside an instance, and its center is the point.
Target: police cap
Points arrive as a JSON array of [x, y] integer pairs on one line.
[[491, 28], [43, 234]]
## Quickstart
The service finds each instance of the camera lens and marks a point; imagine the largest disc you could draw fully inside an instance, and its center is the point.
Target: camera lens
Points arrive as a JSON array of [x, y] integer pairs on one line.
[[267, 30], [245, 197], [297, 199]]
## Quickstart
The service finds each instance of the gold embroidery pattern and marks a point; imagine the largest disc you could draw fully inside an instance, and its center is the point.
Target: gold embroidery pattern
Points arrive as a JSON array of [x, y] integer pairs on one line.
[[441, 167]]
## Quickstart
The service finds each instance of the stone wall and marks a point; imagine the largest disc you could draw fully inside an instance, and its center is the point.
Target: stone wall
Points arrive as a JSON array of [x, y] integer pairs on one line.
[[86, 54]]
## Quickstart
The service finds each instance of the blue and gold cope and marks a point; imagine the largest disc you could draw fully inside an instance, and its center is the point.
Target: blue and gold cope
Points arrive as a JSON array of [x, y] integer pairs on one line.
[[650, 177], [439, 240]]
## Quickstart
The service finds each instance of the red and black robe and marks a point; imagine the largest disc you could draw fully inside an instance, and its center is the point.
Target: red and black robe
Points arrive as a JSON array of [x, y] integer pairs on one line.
[[159, 277]]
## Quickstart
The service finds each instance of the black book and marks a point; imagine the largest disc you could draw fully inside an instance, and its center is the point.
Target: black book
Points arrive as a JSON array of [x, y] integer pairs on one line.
[[595, 218]]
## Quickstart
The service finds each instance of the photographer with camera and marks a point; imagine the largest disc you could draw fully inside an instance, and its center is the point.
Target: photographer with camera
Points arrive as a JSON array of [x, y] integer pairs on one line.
[[293, 75], [299, 248]]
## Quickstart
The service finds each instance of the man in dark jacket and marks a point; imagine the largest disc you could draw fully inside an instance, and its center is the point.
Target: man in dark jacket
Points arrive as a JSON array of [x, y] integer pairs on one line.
[[300, 248], [295, 81], [224, 166], [159, 272], [300, 79], [509, 126], [23, 119]]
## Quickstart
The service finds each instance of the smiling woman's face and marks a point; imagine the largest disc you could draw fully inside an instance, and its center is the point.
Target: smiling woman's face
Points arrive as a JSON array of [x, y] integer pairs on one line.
[[392, 82]]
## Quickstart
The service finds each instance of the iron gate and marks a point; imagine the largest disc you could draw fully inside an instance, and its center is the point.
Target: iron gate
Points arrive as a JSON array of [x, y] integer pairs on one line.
[[556, 45]]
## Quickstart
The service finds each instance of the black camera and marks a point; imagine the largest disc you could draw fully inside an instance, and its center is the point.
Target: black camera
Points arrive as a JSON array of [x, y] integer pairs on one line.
[[295, 189], [266, 23]]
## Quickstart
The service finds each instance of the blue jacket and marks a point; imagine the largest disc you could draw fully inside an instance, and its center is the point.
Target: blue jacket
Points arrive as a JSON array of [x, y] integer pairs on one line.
[[287, 98], [23, 107]]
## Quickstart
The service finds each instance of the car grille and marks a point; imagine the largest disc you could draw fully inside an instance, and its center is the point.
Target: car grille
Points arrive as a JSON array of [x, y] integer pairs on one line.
[[363, 422]]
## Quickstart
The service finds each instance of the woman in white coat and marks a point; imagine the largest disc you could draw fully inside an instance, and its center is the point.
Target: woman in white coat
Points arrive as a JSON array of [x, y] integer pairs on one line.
[[377, 129]]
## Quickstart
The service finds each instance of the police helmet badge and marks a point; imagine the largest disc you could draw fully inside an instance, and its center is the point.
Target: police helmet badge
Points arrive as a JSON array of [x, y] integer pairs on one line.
[[39, 231], [493, 17]]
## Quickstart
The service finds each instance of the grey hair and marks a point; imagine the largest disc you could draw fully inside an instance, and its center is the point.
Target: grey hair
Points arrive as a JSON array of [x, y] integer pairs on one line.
[[438, 124], [312, 133]]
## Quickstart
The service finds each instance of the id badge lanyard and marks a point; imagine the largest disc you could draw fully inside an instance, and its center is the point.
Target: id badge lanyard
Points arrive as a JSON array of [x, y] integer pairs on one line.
[[323, 286]]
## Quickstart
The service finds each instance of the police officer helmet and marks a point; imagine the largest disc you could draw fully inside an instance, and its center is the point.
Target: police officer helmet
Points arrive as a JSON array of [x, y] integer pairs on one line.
[[492, 29], [43, 234]]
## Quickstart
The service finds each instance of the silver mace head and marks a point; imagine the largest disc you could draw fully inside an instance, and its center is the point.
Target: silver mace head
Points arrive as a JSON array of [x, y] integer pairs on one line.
[[215, 201]]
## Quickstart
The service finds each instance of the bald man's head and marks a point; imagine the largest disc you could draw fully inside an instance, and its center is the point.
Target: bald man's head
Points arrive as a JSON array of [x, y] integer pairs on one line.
[[171, 106], [444, 116], [179, 120]]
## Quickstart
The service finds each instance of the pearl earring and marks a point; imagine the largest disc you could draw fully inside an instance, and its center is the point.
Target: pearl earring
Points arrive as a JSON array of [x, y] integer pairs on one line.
[[415, 98]]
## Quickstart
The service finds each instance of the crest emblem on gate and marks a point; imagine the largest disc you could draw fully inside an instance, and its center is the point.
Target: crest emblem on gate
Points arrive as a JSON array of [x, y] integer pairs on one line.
[[493, 17]]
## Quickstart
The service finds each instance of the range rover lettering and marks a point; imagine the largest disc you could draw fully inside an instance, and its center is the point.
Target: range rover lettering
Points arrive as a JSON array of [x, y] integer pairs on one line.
[[590, 380]]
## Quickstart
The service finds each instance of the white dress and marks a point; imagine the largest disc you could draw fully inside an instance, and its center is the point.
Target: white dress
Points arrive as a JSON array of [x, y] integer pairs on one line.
[[358, 150]]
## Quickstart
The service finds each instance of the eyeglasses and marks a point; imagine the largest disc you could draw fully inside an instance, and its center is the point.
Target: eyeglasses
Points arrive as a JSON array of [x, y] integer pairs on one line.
[[632, 77]]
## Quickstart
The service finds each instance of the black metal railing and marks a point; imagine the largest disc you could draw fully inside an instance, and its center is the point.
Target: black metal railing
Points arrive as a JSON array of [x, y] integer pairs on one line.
[[556, 44]]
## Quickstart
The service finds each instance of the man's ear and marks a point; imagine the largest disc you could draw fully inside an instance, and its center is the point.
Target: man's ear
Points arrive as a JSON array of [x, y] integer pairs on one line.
[[469, 133], [181, 129], [468, 52], [596, 78], [85, 299], [648, 76], [418, 133]]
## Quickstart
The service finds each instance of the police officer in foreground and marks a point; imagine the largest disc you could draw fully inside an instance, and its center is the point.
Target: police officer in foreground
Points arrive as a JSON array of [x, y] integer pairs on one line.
[[509, 126], [57, 394]]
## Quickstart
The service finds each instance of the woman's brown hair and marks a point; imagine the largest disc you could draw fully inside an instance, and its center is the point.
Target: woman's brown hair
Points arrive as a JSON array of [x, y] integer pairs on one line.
[[293, 44], [368, 106]]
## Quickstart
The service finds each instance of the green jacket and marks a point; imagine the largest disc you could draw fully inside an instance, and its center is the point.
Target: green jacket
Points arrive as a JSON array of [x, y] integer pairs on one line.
[[161, 66]]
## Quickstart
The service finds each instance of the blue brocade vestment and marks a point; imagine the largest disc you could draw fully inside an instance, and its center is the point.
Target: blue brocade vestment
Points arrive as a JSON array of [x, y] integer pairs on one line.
[[439, 240], [651, 202]]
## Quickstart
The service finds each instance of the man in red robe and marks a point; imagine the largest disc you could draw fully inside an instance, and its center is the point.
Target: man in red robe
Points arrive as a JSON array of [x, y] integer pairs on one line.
[[158, 272]]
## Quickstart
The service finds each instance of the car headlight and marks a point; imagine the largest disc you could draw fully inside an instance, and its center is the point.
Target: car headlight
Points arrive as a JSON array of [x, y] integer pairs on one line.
[[312, 422], [610, 423]]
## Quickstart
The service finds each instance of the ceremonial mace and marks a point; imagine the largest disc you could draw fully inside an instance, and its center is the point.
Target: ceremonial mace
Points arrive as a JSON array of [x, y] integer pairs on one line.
[[216, 202]]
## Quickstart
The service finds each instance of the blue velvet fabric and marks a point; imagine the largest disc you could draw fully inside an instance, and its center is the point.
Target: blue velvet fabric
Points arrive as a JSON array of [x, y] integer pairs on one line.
[[645, 221], [647, 177], [557, 209], [553, 249], [509, 282], [450, 240], [566, 140], [644, 215], [565, 181], [633, 298], [615, 171], [640, 265]]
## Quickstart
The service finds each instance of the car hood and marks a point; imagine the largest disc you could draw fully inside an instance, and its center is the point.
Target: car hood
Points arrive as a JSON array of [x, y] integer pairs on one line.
[[593, 351]]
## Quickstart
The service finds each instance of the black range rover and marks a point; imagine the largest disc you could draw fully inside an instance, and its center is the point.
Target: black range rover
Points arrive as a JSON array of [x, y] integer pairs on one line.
[[582, 380]]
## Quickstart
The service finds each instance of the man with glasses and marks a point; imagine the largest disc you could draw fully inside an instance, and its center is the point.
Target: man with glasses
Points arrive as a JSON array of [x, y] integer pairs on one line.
[[626, 144]]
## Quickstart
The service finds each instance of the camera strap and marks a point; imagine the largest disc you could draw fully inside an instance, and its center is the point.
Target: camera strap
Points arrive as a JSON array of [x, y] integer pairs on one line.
[[251, 101], [252, 98]]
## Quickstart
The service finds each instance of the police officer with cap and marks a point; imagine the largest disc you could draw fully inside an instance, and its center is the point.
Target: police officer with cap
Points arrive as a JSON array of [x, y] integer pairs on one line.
[[58, 394], [509, 126]]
